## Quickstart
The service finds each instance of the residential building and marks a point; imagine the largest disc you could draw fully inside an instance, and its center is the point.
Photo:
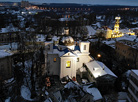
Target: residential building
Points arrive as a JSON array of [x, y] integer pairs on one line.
[[100, 74], [127, 50], [133, 87], [9, 34]]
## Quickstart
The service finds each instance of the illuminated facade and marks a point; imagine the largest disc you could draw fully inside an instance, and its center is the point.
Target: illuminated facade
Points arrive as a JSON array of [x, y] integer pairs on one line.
[[67, 56], [116, 33], [108, 33], [116, 27]]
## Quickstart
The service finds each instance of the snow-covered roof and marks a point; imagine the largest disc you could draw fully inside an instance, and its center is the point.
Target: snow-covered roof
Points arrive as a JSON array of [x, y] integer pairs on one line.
[[77, 52], [127, 37], [135, 22], [71, 85], [4, 30], [12, 46], [99, 69], [98, 17], [124, 30], [135, 71], [64, 19], [98, 24], [112, 42], [40, 38], [55, 38], [3, 53], [93, 91], [127, 73], [109, 42], [93, 40], [91, 31], [122, 95]]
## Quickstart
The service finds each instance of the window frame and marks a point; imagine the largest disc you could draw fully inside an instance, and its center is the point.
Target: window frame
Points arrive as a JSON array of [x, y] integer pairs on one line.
[[68, 62]]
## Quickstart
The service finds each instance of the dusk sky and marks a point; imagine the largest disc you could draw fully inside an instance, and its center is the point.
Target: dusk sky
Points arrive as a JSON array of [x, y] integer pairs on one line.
[[104, 2]]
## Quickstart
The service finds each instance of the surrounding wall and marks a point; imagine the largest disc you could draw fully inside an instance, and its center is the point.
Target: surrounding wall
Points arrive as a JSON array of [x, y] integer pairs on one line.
[[53, 64]]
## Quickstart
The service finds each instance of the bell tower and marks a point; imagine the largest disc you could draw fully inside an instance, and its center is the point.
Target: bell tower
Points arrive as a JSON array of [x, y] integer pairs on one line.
[[116, 27]]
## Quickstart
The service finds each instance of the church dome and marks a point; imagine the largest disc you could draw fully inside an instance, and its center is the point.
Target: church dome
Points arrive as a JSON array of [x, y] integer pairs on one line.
[[49, 37], [66, 40]]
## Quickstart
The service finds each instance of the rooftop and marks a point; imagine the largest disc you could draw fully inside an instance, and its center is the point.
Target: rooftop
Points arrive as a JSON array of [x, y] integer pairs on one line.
[[99, 69], [135, 71], [93, 91], [4, 53]]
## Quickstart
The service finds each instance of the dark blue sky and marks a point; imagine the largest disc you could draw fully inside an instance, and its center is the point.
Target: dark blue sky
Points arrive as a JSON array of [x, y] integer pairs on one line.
[[108, 2]]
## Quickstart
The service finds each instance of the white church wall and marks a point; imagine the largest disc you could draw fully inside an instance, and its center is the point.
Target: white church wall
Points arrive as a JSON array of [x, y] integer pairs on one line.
[[68, 71], [84, 46], [82, 59]]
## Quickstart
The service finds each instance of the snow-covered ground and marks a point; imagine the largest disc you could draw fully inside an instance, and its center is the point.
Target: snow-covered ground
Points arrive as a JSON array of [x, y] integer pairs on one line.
[[4, 53], [25, 93], [8, 99]]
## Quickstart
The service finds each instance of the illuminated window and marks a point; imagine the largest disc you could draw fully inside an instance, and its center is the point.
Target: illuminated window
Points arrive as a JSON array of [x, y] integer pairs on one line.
[[84, 47], [55, 59], [68, 63]]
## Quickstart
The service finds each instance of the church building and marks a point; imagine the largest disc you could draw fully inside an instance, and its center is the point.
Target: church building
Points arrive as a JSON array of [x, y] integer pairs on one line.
[[116, 32], [66, 57]]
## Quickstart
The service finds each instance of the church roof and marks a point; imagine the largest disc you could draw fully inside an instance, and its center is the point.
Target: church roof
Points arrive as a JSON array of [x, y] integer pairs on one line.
[[63, 52], [67, 41]]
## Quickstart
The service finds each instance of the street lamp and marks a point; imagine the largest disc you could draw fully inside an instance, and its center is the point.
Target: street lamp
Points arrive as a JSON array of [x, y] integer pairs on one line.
[[98, 55]]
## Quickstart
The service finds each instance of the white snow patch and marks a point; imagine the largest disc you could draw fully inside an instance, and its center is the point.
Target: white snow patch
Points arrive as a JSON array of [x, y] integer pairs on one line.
[[136, 72], [71, 85], [98, 24], [8, 99], [46, 93], [4, 53], [9, 80], [25, 93], [93, 91]]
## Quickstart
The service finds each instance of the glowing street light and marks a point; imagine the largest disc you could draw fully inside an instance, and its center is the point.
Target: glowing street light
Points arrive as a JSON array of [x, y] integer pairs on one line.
[[98, 55]]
